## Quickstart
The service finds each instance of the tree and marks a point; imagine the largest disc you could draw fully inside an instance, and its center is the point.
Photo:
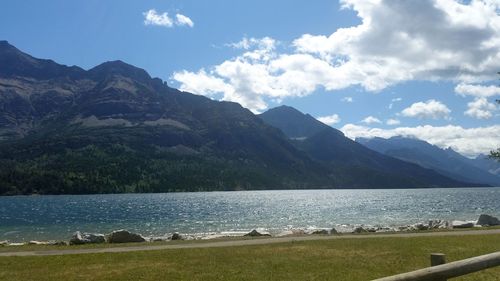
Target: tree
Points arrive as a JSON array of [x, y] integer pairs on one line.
[[495, 154]]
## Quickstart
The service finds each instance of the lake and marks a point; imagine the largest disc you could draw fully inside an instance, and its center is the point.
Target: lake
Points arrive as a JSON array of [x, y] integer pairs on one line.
[[24, 218]]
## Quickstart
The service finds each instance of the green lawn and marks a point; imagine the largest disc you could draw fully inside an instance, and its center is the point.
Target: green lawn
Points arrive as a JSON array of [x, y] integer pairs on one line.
[[343, 259]]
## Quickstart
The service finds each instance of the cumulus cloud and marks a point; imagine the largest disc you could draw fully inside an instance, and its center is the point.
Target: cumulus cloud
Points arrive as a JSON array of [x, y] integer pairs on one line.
[[152, 17], [467, 141], [371, 120], [347, 99], [480, 108], [329, 120], [392, 122], [182, 20], [423, 40], [479, 91], [430, 109]]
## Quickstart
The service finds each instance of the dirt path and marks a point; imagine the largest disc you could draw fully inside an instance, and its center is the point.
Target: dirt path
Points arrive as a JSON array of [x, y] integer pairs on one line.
[[261, 241]]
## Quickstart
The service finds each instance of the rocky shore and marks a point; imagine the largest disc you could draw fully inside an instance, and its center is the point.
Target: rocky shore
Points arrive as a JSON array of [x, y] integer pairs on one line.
[[125, 236]]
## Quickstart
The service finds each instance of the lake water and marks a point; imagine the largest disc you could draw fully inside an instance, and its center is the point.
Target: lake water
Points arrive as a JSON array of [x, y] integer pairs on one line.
[[24, 218]]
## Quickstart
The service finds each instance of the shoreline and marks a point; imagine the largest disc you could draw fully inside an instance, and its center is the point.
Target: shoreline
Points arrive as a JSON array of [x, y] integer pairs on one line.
[[122, 248], [252, 190], [483, 222]]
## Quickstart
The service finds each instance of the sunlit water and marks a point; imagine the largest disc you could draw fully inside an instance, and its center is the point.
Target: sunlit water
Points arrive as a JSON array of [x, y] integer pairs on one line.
[[24, 218]]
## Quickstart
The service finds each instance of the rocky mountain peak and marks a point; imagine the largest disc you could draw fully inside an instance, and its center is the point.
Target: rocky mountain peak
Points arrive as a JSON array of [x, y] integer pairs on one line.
[[121, 68]]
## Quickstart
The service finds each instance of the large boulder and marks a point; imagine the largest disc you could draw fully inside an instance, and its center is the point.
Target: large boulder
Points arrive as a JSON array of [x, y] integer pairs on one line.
[[79, 238], [124, 236], [487, 220], [256, 233]]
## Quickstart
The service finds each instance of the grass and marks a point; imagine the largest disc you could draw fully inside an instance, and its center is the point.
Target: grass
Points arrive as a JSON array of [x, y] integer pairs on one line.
[[344, 259]]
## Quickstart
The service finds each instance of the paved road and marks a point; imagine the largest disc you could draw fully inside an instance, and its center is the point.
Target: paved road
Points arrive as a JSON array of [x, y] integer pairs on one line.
[[232, 243]]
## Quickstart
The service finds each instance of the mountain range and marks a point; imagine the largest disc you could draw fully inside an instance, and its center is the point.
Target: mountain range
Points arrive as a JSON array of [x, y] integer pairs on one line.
[[445, 161], [113, 128]]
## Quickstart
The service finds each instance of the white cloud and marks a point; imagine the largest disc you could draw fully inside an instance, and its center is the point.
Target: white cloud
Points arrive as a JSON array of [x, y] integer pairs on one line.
[[393, 122], [371, 120], [182, 20], [467, 141], [477, 90], [152, 17], [480, 108], [347, 99], [329, 120], [427, 40], [429, 109], [265, 43]]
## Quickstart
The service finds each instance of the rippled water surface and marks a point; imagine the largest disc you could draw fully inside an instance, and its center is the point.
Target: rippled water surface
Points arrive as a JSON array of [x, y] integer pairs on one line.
[[25, 218]]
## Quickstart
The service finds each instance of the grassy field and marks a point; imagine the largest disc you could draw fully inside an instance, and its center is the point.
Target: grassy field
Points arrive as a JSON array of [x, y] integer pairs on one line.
[[344, 259]]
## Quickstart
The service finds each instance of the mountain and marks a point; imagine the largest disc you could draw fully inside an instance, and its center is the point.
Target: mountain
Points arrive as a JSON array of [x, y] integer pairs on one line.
[[362, 166], [485, 163], [445, 161], [113, 128]]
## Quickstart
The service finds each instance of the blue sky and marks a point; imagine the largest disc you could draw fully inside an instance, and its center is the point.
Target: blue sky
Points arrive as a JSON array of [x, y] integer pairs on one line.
[[423, 68]]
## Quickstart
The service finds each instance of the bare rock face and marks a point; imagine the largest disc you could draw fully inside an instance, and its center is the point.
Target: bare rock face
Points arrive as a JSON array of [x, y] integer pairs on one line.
[[124, 236], [487, 220]]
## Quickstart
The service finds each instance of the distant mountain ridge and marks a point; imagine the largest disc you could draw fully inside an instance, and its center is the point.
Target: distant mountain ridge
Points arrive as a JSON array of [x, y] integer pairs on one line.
[[114, 129], [330, 147], [446, 161]]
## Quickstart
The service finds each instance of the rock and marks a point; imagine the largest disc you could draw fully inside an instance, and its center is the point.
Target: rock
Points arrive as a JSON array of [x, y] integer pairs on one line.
[[86, 238], [438, 224], [421, 226], [386, 229], [124, 236], [58, 243], [94, 238], [320, 232], [77, 239], [359, 229], [176, 236], [487, 220], [462, 224], [334, 231], [159, 239], [285, 233], [34, 242], [255, 233]]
